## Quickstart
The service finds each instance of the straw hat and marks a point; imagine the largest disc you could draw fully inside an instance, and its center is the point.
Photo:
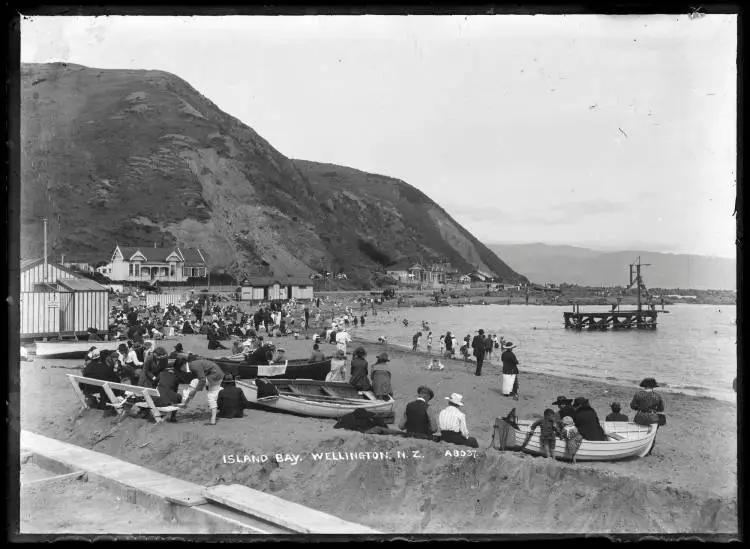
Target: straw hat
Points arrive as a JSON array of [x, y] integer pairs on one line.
[[456, 399], [508, 345], [649, 383]]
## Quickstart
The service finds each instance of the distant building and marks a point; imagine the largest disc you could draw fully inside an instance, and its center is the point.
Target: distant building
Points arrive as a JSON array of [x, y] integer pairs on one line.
[[78, 266], [269, 288], [417, 273], [133, 264]]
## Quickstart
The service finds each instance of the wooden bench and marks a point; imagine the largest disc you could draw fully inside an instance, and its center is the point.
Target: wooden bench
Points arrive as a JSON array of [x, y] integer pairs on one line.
[[116, 402]]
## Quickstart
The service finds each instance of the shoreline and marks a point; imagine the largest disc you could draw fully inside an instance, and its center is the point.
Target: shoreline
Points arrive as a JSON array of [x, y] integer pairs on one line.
[[620, 384]]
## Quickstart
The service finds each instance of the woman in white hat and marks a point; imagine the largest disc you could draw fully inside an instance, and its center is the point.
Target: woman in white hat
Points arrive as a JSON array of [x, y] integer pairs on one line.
[[452, 423], [510, 370]]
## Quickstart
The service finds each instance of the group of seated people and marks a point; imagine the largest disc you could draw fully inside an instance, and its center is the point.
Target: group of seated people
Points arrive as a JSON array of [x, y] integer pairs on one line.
[[165, 373]]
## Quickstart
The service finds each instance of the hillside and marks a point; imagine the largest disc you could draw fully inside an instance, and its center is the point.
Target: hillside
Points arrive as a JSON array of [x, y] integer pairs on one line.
[[558, 264], [138, 157]]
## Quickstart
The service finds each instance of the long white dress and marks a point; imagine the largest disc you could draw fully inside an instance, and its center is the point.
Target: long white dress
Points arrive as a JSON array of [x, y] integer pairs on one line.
[[508, 381]]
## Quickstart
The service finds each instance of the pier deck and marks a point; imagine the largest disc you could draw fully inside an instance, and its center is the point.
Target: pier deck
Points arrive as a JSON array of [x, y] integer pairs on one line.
[[615, 320]]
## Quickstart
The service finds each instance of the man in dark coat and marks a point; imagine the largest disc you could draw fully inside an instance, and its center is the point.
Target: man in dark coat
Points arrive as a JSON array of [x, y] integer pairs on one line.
[[586, 420], [416, 417], [232, 401], [307, 318], [98, 368], [258, 318], [478, 345]]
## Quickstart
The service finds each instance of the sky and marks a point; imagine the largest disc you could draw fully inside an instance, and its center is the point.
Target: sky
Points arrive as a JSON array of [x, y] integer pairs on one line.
[[608, 132]]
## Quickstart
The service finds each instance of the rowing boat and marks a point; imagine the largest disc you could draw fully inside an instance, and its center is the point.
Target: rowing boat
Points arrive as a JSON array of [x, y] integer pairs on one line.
[[71, 349], [624, 440], [317, 398]]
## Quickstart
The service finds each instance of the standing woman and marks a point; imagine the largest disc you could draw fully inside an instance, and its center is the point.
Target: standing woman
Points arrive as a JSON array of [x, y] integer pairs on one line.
[[647, 403], [648, 406], [359, 376], [381, 377], [510, 370]]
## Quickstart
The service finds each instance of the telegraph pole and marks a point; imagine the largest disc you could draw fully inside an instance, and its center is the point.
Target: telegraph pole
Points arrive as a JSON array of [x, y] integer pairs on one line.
[[45, 247]]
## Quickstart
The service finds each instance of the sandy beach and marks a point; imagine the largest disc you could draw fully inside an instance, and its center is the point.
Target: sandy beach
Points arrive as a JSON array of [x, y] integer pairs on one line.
[[688, 483]]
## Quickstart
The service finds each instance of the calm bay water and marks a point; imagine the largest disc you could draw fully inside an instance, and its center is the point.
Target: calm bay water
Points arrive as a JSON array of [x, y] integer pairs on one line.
[[692, 351]]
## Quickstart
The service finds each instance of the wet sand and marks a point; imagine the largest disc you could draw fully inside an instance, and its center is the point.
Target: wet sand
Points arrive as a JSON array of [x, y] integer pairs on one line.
[[688, 483]]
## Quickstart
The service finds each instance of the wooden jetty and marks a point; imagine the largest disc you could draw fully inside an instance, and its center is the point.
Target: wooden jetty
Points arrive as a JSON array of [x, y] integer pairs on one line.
[[642, 318]]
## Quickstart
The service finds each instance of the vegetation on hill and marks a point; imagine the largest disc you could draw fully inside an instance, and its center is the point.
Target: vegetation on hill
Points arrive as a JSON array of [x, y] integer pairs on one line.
[[138, 157]]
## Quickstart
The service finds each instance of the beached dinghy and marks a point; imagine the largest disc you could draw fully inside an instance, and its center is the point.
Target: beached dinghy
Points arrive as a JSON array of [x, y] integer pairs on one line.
[[314, 398], [290, 369], [71, 349], [625, 440]]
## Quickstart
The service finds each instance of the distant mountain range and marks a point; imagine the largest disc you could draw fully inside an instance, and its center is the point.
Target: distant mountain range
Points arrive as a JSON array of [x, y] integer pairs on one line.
[[557, 264]]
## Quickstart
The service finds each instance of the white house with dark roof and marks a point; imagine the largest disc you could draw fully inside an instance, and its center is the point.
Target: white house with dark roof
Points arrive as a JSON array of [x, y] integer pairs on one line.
[[146, 264]]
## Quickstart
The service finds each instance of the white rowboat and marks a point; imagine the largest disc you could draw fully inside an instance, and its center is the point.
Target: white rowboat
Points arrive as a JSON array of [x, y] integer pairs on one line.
[[625, 440], [317, 398], [71, 349]]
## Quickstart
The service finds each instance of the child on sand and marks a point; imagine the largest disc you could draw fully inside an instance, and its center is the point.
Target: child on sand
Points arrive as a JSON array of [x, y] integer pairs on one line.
[[429, 343], [548, 432], [442, 345]]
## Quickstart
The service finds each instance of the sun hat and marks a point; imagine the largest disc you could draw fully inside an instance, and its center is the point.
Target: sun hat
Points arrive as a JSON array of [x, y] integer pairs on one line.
[[509, 345], [561, 400], [456, 399], [649, 383], [567, 420], [382, 357]]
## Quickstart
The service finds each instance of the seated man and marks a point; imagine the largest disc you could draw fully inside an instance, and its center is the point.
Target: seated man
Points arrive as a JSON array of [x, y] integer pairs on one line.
[[452, 423], [416, 418], [231, 400], [99, 368]]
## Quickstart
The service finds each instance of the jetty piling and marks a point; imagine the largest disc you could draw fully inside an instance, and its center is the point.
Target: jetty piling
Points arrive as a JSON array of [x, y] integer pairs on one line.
[[642, 318]]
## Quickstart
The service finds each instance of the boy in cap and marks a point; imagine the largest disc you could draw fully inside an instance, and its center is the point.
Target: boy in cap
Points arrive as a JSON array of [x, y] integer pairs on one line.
[[208, 375], [231, 400], [616, 415]]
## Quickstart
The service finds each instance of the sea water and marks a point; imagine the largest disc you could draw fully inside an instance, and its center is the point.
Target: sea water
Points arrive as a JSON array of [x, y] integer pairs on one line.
[[692, 351]]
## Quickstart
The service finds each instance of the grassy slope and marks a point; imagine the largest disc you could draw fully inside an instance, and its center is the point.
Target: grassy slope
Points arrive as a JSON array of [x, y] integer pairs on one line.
[[138, 157]]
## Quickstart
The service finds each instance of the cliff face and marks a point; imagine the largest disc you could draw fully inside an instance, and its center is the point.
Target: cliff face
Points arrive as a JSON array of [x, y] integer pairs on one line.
[[138, 157]]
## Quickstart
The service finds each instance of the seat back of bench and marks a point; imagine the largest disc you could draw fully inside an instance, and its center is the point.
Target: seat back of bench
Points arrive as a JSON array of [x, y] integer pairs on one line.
[[113, 385]]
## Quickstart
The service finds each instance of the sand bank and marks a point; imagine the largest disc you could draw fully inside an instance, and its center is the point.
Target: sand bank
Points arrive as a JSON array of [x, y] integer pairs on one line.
[[688, 484]]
